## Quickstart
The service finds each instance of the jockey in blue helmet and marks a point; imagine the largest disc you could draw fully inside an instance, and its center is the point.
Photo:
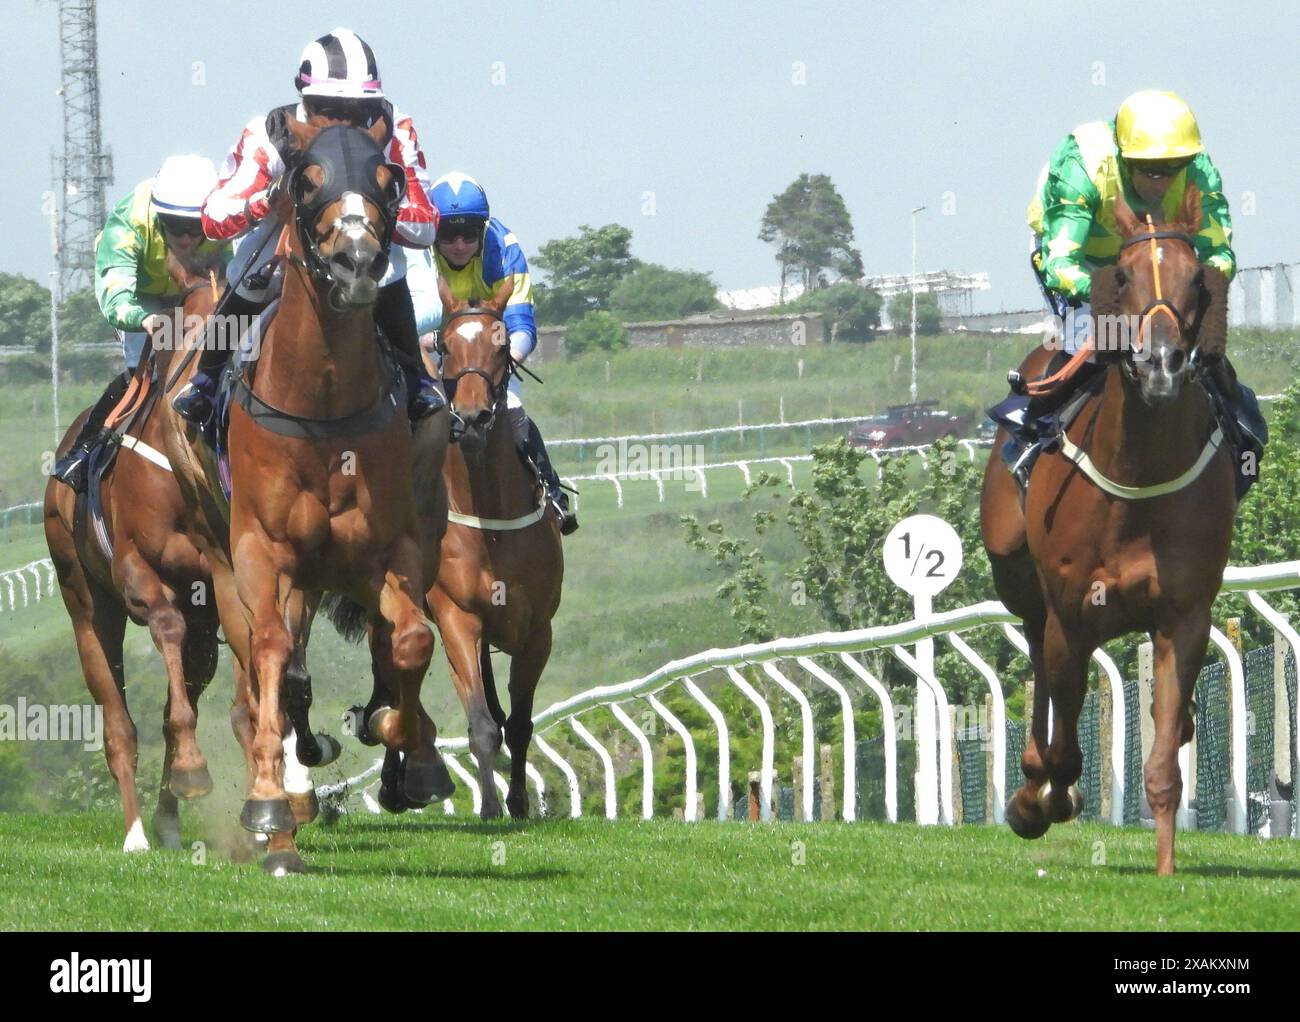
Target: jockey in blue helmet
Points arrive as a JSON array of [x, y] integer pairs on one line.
[[474, 252]]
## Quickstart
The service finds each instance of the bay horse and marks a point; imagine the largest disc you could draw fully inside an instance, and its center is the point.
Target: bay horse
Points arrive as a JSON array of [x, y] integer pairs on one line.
[[323, 495], [155, 576], [499, 577], [1127, 525]]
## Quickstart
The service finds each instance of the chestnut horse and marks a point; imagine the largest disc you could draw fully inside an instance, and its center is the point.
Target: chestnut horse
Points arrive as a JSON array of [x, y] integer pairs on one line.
[[502, 564], [498, 580], [323, 492], [1127, 525], [156, 577]]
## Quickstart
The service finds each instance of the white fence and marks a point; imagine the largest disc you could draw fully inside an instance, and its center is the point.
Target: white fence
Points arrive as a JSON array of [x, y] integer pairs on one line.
[[21, 587], [827, 660]]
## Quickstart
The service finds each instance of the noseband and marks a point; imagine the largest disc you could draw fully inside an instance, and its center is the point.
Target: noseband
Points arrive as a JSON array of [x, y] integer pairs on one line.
[[497, 389]]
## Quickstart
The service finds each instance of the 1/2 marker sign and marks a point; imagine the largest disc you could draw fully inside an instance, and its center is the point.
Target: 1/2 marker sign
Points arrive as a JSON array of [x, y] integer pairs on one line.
[[922, 555]]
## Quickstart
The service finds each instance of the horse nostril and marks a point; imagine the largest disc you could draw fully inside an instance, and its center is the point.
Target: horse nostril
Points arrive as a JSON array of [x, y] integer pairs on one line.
[[1176, 359], [343, 261]]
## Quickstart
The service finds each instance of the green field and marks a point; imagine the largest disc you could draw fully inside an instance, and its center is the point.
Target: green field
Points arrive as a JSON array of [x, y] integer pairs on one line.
[[442, 874]]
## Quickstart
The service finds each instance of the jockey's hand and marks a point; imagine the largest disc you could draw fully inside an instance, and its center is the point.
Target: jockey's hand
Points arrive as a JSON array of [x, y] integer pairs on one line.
[[154, 323]]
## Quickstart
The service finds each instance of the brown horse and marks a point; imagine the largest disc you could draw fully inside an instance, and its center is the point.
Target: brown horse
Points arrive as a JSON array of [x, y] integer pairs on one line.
[[499, 577], [1139, 546], [157, 577], [502, 565], [323, 495]]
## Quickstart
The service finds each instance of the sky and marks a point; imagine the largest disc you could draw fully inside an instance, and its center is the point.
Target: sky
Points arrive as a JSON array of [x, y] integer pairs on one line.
[[682, 120]]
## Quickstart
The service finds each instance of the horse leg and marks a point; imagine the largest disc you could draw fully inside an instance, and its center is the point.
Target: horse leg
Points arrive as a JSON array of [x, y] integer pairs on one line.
[[264, 590], [406, 641], [1023, 813], [310, 749], [462, 634], [99, 624], [1179, 646], [188, 776], [525, 671], [1066, 665]]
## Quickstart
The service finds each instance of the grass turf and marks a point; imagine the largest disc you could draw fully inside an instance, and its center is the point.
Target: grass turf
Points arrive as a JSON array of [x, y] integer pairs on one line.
[[450, 874]]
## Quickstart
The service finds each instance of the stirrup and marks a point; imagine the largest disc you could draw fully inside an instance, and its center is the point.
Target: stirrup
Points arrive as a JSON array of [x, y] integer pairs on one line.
[[193, 405]]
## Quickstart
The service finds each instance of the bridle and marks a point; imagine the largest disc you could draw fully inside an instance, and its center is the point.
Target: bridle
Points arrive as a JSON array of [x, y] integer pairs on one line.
[[349, 167], [1160, 305], [496, 388]]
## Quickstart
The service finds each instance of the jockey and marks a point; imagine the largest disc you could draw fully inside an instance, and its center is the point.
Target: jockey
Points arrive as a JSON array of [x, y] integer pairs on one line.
[[337, 79], [159, 215], [1149, 153], [474, 252]]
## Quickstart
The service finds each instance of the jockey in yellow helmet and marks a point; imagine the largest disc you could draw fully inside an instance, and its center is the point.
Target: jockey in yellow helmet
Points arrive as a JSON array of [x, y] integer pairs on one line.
[[1149, 155]]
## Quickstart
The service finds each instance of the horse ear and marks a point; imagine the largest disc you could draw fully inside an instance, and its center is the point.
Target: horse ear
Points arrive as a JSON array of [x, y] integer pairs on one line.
[[502, 294], [1189, 215], [449, 301], [1106, 284], [303, 134], [1213, 334], [1125, 218], [378, 132]]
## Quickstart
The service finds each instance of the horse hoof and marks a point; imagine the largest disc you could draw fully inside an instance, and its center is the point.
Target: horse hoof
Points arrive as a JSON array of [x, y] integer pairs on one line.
[[167, 832], [425, 778], [281, 864], [135, 839], [267, 816], [518, 807], [374, 724], [356, 725], [1026, 825], [189, 784], [393, 801], [330, 749], [304, 805], [1052, 807]]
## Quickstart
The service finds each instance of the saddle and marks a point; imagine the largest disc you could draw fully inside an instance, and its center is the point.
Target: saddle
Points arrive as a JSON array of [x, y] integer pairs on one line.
[[1243, 425], [137, 402]]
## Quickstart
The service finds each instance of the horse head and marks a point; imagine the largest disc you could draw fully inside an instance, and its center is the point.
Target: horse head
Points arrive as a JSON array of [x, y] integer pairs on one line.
[[476, 364], [346, 196], [1158, 305]]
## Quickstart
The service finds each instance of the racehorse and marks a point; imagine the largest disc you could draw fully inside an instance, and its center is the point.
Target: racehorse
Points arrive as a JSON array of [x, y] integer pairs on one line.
[[502, 564], [499, 577], [1127, 525], [322, 492], [156, 576]]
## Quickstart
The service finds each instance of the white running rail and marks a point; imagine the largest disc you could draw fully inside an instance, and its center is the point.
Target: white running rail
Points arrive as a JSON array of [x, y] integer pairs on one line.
[[795, 667]]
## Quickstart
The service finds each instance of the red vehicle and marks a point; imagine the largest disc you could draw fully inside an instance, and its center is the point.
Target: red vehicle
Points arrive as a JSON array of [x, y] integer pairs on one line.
[[904, 425]]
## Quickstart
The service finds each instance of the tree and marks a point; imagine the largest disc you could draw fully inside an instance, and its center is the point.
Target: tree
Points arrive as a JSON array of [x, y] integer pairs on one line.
[[582, 272], [811, 229], [596, 330], [24, 312], [656, 292], [929, 317], [851, 313], [80, 321]]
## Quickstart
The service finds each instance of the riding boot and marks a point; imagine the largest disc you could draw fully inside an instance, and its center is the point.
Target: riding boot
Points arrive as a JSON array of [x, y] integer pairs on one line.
[[1244, 422], [528, 441], [395, 316], [197, 398], [70, 469]]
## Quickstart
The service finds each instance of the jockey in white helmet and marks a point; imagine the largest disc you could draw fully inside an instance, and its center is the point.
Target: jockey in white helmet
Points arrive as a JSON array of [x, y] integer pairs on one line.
[[158, 216], [337, 79]]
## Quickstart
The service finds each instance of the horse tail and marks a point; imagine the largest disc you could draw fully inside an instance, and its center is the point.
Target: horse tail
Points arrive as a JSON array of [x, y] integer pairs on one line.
[[490, 685], [348, 617]]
